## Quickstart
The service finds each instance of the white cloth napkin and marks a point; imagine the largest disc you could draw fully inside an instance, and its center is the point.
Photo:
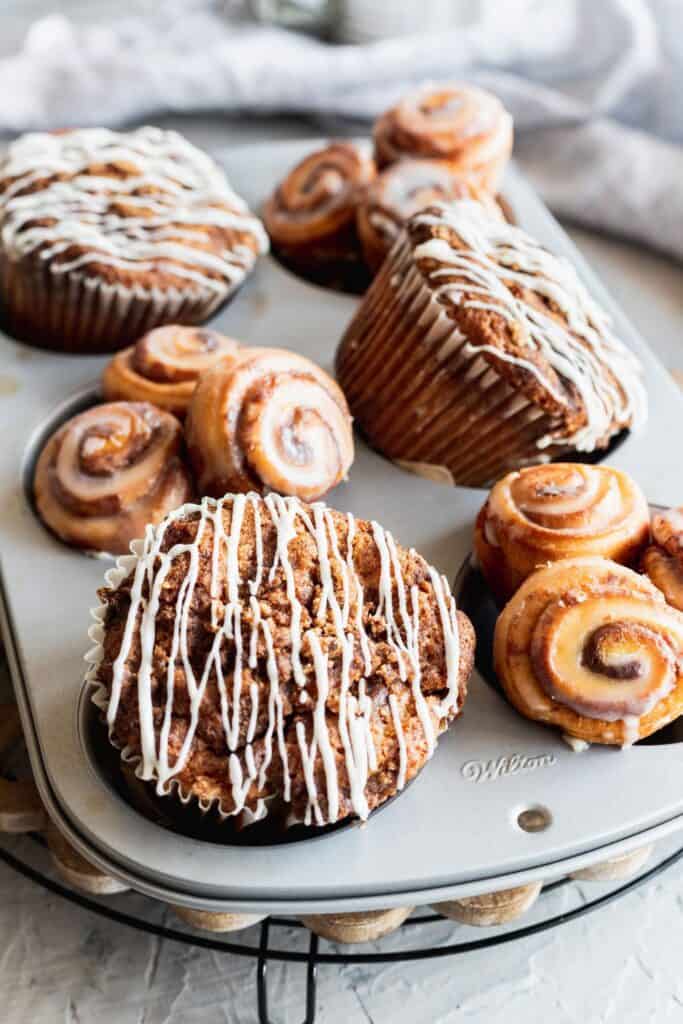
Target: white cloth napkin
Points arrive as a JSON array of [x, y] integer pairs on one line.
[[595, 87]]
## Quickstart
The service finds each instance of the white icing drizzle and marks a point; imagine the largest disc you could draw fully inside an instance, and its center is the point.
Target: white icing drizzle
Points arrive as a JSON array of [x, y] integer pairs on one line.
[[340, 604], [192, 194], [586, 352]]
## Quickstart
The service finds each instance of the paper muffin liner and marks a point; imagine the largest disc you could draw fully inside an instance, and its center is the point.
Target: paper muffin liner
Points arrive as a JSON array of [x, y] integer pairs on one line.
[[423, 395], [72, 312], [100, 698]]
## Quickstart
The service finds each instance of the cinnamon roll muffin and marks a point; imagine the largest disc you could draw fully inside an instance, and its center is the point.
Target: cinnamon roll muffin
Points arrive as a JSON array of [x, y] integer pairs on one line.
[[401, 190], [108, 472], [477, 351], [663, 560], [592, 648], [164, 365], [104, 235], [543, 513], [467, 128], [311, 216], [271, 421], [300, 656]]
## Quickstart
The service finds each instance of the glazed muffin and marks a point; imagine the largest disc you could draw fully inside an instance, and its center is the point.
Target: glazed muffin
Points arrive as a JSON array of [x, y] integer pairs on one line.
[[108, 472], [468, 129], [592, 648], [401, 190], [164, 365], [272, 420], [543, 513], [477, 351], [105, 235], [320, 660], [663, 559], [311, 216]]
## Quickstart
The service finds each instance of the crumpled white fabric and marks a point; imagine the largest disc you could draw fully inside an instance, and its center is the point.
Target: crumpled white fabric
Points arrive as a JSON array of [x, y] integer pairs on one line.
[[595, 86]]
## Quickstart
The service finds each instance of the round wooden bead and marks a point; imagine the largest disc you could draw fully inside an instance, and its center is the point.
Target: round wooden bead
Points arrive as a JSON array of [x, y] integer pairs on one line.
[[616, 869], [492, 908], [216, 921], [21, 809], [76, 870], [365, 926]]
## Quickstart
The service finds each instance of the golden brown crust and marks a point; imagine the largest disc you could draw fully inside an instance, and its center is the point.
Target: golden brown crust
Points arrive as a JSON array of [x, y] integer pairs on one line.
[[164, 365], [311, 215], [274, 420], [562, 510], [592, 648], [108, 472], [465, 127], [204, 775], [398, 192], [663, 560]]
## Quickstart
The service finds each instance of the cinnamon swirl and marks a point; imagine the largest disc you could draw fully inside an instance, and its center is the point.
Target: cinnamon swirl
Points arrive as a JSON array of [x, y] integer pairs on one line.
[[108, 472], [400, 191], [272, 421], [592, 648], [311, 215], [663, 560], [562, 510], [163, 366], [468, 128]]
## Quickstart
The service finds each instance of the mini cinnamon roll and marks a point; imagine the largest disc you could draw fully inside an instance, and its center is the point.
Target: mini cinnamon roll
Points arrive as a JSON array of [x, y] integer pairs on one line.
[[108, 472], [311, 215], [663, 560], [273, 421], [402, 190], [163, 366], [592, 648], [561, 510], [468, 128]]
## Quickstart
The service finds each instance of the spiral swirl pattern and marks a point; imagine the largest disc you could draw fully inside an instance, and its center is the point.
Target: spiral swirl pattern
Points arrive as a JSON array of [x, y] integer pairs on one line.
[[273, 421], [400, 191], [561, 510], [163, 366], [108, 472], [591, 647], [469, 128], [663, 560]]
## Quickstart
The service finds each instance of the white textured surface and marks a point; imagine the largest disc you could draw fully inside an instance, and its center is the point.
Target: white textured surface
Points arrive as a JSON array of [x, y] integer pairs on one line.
[[60, 963]]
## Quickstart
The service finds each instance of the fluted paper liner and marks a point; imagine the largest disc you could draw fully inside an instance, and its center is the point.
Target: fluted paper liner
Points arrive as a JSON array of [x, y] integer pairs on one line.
[[423, 395], [72, 312]]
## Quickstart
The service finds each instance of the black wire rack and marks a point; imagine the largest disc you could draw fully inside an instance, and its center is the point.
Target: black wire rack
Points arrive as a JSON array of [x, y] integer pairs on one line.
[[266, 950]]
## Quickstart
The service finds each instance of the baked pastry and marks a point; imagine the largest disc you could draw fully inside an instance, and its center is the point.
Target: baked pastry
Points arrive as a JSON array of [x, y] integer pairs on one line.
[[401, 190], [468, 128], [108, 472], [477, 350], [311, 216], [663, 559], [272, 421], [104, 235], [163, 366], [298, 656], [592, 647], [562, 510]]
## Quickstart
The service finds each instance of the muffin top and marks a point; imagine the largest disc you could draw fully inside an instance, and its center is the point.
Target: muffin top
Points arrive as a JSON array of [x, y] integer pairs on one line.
[[258, 648], [142, 208], [528, 314]]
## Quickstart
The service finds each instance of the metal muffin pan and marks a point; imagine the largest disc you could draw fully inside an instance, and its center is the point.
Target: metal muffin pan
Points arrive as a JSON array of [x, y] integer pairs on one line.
[[455, 831]]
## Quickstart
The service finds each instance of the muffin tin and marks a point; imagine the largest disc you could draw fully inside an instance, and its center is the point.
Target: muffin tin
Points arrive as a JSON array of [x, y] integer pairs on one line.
[[502, 802]]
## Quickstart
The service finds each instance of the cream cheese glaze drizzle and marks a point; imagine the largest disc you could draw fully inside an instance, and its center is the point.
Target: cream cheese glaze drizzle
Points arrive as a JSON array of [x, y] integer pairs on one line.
[[340, 602], [586, 352], [191, 194]]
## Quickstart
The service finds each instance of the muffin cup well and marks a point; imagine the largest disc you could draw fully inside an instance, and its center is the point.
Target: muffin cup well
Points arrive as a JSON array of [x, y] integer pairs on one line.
[[423, 395], [71, 312]]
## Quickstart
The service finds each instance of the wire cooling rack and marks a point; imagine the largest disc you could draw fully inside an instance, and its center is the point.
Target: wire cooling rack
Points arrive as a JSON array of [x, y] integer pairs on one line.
[[267, 949]]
